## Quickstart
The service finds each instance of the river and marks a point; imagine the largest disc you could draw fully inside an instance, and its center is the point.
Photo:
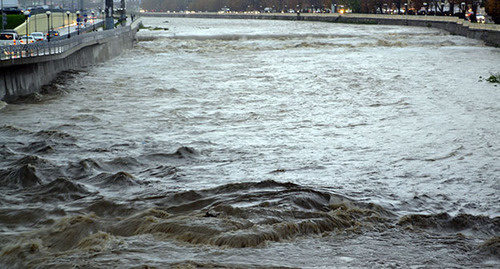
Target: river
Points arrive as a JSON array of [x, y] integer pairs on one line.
[[259, 144]]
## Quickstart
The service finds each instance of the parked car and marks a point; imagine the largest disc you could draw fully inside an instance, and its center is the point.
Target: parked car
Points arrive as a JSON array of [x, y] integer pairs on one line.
[[12, 10], [10, 31], [9, 37], [27, 39], [480, 18], [53, 33], [39, 36]]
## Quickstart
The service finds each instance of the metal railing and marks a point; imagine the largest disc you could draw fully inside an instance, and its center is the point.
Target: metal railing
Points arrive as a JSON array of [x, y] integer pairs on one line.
[[59, 45]]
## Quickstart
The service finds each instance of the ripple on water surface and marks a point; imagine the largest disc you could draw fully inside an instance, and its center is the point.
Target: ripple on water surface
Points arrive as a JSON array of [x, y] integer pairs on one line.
[[262, 144]]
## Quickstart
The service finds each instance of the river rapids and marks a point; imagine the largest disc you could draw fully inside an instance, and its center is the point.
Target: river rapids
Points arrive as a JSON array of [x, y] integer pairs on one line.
[[259, 144]]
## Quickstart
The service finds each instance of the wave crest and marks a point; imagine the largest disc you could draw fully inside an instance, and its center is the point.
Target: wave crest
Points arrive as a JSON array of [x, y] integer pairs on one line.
[[24, 176], [478, 224]]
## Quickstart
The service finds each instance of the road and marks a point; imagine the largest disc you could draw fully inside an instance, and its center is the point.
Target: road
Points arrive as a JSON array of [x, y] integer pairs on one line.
[[57, 21]]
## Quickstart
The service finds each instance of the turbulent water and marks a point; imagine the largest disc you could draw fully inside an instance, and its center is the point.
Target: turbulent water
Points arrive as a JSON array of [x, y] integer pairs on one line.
[[257, 144]]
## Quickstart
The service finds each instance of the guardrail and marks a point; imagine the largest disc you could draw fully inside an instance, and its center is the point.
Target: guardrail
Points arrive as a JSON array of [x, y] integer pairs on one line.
[[58, 45]]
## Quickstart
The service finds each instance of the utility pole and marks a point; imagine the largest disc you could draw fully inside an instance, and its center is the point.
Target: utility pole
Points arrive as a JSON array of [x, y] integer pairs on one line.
[[109, 15], [123, 15], [4, 18]]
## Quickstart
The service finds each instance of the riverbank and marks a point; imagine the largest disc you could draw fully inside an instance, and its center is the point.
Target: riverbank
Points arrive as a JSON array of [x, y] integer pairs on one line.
[[489, 33], [26, 75]]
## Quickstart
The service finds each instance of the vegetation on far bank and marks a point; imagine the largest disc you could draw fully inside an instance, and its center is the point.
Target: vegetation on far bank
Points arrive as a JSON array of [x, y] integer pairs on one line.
[[492, 7]]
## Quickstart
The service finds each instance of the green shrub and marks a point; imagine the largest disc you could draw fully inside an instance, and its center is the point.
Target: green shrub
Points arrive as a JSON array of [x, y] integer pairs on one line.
[[494, 78], [13, 20]]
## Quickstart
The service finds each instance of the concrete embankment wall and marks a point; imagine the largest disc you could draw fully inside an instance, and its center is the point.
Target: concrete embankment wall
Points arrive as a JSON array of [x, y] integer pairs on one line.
[[489, 33], [20, 77]]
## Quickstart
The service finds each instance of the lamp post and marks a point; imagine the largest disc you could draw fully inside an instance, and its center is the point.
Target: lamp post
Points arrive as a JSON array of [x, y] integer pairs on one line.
[[48, 25], [4, 16], [67, 14], [93, 21], [26, 16], [52, 23], [77, 22]]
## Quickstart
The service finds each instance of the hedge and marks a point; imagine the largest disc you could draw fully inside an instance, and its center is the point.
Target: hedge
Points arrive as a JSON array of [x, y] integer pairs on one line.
[[13, 21]]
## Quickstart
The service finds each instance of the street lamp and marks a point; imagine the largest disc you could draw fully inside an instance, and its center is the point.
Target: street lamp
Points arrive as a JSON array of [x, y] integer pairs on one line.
[[48, 25], [26, 16], [78, 22], [67, 14], [93, 21]]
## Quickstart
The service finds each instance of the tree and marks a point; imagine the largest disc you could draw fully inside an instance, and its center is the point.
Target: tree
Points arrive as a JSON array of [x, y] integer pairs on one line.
[[492, 7], [355, 5]]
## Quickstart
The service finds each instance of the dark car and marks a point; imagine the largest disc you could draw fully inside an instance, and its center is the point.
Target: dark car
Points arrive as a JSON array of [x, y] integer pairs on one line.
[[12, 10], [53, 33]]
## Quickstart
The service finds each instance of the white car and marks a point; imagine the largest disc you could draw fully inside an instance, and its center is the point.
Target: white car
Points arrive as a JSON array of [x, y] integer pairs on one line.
[[480, 18], [8, 38], [27, 39], [39, 36]]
